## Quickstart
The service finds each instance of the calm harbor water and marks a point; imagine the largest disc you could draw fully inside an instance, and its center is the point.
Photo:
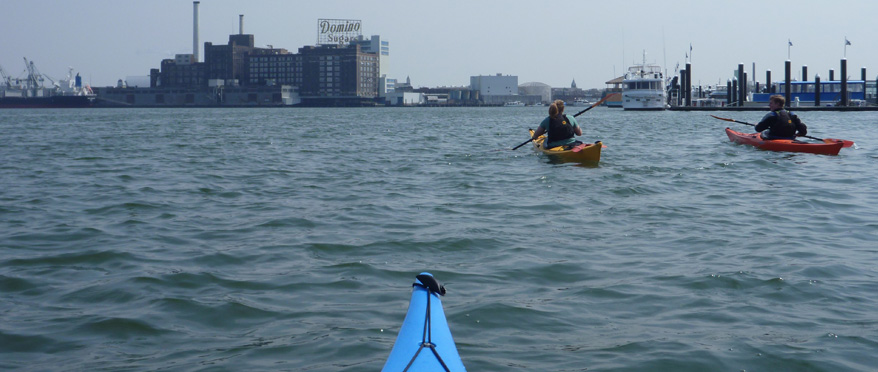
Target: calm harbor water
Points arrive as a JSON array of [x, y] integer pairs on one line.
[[287, 239]]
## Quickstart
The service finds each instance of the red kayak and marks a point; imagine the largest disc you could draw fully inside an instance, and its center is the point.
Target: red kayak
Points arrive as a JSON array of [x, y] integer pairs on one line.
[[753, 139]]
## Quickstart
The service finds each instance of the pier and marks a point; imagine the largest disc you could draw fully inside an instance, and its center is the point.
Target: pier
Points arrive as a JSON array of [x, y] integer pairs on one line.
[[743, 94]]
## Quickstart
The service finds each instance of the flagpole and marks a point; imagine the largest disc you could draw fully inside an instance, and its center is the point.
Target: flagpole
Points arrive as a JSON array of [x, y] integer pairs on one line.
[[690, 52], [846, 43]]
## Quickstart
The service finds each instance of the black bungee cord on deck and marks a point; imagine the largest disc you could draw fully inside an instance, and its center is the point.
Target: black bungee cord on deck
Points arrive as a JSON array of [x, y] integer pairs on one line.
[[429, 283]]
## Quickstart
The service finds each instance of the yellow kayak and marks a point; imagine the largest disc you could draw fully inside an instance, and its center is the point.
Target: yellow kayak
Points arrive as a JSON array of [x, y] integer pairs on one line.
[[587, 152]]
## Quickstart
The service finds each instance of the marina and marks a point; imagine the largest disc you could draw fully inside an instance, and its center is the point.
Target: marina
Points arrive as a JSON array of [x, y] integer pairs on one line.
[[842, 94]]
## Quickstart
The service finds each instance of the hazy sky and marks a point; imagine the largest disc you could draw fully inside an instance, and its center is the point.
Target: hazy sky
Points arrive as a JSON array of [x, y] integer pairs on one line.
[[443, 43]]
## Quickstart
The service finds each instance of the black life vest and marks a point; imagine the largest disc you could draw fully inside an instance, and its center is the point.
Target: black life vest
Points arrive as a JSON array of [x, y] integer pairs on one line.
[[783, 127], [560, 128]]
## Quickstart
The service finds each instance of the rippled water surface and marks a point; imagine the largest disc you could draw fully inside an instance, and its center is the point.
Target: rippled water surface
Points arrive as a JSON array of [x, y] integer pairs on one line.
[[288, 239]]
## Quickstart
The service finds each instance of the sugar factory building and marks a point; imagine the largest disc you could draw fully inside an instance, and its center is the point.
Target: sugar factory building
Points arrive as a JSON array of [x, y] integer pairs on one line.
[[344, 69]]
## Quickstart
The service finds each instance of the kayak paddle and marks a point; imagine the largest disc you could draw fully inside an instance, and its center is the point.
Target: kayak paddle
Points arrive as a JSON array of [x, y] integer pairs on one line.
[[577, 114], [826, 140]]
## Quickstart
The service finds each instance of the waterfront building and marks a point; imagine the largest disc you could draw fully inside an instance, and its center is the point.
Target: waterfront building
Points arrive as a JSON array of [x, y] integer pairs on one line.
[[496, 89], [343, 70], [223, 79], [495, 85], [544, 91], [240, 74], [404, 86], [388, 84], [405, 99], [381, 48], [274, 66], [221, 62], [180, 72], [338, 75], [568, 95], [228, 62]]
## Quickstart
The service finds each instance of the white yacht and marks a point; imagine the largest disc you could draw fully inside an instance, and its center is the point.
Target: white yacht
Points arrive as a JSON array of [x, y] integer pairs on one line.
[[644, 87], [578, 102]]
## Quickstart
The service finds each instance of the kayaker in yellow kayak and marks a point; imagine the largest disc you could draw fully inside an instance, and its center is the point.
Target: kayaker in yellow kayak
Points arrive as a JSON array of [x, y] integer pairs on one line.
[[779, 123], [560, 127]]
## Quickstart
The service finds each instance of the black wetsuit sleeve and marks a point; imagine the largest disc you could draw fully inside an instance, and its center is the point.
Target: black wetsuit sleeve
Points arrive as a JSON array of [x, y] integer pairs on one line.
[[763, 125], [801, 128]]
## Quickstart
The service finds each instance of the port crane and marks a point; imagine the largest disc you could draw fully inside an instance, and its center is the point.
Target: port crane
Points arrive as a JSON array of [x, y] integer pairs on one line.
[[34, 77], [6, 78]]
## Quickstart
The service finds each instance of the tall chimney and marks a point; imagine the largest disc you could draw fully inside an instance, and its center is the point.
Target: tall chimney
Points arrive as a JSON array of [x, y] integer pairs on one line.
[[240, 24], [195, 30]]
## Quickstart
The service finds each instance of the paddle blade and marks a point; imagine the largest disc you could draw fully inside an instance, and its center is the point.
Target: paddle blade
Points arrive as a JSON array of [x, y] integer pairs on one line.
[[733, 120], [726, 119]]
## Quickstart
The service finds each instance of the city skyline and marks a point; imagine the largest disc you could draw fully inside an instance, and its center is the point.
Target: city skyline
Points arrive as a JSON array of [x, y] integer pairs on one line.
[[444, 44]]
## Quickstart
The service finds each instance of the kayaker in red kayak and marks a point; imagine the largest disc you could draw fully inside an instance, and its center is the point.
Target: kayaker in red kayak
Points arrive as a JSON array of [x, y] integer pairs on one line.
[[780, 123], [560, 127]]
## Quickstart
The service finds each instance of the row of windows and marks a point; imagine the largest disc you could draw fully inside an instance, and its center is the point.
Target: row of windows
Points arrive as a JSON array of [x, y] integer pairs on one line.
[[654, 85], [275, 64], [280, 77], [287, 81], [275, 59], [273, 70], [323, 75]]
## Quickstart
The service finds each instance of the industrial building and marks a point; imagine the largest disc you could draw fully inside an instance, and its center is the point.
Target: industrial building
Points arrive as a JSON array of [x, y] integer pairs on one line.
[[240, 74], [500, 89]]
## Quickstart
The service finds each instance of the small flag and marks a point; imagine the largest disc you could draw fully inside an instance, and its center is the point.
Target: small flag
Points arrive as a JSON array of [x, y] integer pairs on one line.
[[791, 43], [846, 42], [690, 47]]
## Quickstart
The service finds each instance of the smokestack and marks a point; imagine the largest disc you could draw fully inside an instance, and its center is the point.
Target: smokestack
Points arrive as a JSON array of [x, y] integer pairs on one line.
[[240, 24], [195, 30]]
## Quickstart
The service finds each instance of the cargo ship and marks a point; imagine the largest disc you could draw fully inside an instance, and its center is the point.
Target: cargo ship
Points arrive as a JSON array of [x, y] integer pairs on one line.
[[31, 92]]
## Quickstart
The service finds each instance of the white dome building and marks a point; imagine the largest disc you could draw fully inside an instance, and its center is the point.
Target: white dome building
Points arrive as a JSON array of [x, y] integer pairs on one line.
[[536, 89]]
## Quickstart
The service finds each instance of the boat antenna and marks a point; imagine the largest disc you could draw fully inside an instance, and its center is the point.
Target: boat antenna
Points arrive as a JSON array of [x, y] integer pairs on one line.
[[664, 55], [623, 53]]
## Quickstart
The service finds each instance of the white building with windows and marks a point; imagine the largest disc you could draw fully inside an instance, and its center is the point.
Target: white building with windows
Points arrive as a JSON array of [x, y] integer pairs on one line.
[[494, 85], [495, 89]]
